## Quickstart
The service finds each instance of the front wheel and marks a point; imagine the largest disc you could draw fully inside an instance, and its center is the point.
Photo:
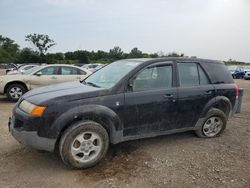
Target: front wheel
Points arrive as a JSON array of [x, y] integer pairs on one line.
[[15, 91], [84, 144], [213, 125]]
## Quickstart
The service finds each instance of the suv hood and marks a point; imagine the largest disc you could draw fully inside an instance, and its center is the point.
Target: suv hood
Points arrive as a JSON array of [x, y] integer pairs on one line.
[[64, 91]]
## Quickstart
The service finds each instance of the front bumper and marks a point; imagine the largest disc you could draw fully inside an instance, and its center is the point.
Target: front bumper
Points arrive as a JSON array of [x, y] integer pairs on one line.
[[30, 138]]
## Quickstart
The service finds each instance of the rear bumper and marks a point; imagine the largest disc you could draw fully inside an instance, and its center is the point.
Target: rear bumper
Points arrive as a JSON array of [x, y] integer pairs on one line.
[[238, 102], [30, 138]]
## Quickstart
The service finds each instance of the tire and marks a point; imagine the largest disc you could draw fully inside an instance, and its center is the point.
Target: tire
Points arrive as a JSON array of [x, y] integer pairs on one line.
[[84, 154], [219, 118], [18, 88]]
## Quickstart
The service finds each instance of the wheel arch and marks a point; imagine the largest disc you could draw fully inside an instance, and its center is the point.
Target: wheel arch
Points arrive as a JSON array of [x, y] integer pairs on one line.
[[220, 102], [100, 114], [14, 82]]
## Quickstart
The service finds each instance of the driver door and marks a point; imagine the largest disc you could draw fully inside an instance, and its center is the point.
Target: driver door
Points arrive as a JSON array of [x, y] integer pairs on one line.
[[44, 77], [150, 104]]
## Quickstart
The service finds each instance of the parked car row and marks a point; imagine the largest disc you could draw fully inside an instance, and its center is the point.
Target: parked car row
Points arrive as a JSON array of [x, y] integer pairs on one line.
[[240, 72], [18, 82]]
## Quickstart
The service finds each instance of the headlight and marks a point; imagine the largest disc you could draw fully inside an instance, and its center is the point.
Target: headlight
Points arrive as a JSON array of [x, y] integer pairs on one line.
[[31, 108]]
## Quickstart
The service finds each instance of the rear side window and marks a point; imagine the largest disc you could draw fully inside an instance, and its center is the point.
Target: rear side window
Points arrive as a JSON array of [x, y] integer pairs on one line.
[[203, 77], [191, 74], [218, 73], [68, 71], [188, 74]]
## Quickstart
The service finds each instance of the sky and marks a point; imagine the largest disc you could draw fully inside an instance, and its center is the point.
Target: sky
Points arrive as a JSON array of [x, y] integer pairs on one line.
[[213, 29]]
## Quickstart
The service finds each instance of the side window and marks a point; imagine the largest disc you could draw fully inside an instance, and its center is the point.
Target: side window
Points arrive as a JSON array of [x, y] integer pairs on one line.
[[68, 71], [203, 77], [79, 71], [188, 74], [153, 78], [49, 71]]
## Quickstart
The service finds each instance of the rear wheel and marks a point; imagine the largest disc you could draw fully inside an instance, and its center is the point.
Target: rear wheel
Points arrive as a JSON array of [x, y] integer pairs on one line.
[[213, 125], [84, 144], [15, 91]]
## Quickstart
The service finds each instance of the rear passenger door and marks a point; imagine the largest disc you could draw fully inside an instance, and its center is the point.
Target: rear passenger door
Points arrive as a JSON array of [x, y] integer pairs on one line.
[[194, 91], [71, 74]]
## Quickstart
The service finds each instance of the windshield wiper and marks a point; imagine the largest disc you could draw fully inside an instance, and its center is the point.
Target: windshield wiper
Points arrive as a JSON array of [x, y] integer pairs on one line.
[[90, 83]]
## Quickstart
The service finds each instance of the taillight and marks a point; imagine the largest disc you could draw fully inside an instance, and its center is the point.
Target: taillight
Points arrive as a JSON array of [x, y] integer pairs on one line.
[[236, 90]]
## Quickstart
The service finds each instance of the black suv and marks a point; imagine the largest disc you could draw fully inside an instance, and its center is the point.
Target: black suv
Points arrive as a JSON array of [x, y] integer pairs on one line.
[[126, 100]]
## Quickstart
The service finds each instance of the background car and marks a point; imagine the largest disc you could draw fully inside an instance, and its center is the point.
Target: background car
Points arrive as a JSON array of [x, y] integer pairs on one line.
[[247, 75], [239, 73], [93, 67], [14, 86], [9, 67], [22, 69]]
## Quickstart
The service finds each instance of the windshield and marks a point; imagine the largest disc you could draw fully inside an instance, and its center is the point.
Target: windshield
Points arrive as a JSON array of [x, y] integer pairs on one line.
[[29, 71], [111, 74]]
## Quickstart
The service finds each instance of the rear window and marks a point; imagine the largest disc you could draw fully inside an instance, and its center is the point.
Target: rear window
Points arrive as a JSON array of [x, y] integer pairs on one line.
[[218, 73]]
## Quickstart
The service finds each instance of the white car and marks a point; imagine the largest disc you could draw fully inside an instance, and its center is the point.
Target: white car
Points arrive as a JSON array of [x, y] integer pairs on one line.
[[14, 86], [247, 75]]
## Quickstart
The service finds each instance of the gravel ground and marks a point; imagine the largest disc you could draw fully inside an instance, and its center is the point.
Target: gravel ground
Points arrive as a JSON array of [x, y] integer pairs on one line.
[[180, 160]]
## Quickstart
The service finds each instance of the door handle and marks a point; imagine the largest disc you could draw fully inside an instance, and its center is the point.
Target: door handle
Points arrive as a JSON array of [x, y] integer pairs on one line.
[[53, 77], [168, 96], [209, 92], [78, 77]]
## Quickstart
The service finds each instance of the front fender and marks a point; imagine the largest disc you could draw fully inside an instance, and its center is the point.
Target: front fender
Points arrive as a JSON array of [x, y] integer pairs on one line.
[[103, 115]]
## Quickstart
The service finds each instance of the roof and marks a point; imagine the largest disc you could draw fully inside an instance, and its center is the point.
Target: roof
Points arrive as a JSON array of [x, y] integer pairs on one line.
[[172, 59]]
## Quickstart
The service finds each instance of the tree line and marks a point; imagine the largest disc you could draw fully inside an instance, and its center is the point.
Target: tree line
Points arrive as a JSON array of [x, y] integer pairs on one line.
[[10, 52]]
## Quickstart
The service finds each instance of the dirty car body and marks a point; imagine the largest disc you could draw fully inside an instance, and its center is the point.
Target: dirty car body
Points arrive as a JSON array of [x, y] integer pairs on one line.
[[154, 97]]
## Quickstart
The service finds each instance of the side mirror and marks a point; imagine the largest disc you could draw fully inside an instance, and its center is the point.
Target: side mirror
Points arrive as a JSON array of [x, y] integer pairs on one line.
[[38, 73], [130, 84]]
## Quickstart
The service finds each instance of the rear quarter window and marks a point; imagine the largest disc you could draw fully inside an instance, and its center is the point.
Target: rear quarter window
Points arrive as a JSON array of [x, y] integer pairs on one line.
[[218, 73]]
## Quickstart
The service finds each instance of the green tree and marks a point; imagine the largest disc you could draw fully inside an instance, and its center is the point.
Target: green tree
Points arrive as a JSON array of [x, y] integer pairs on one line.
[[9, 45], [5, 57], [154, 55], [135, 53], [27, 55], [8, 50], [40, 41], [82, 56], [70, 56], [116, 53], [174, 54]]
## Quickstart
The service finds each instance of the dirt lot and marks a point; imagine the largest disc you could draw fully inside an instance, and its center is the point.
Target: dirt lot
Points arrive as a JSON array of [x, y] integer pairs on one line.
[[180, 160]]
